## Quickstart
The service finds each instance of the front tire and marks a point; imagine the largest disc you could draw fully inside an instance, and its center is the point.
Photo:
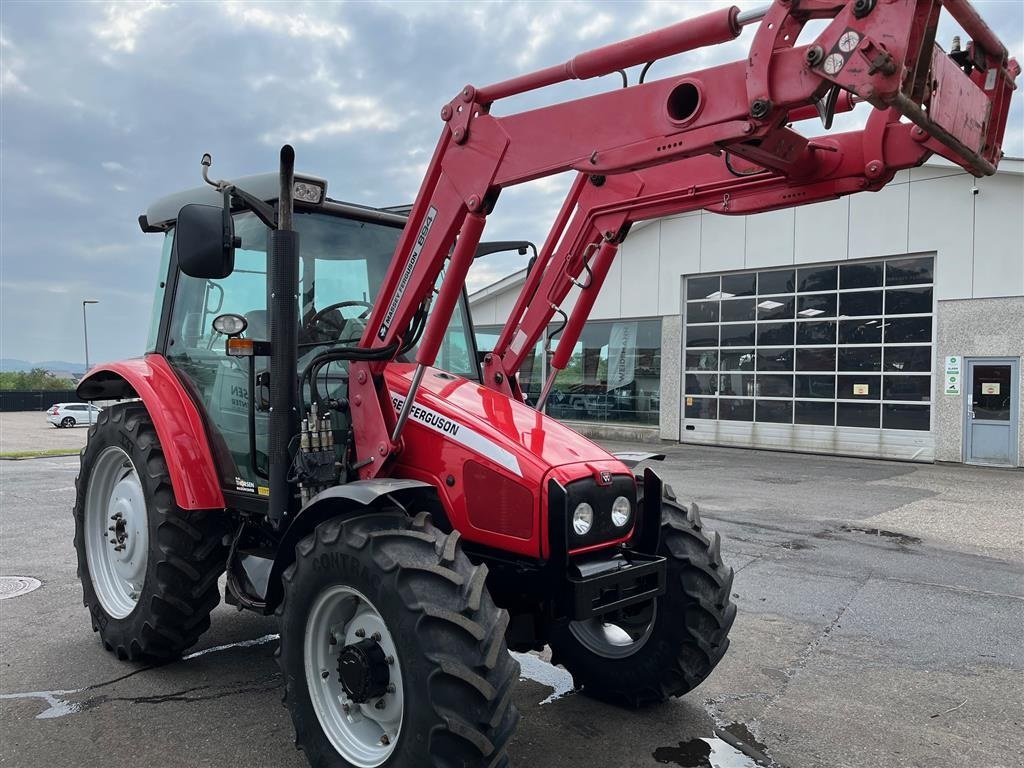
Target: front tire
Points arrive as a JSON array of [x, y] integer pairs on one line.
[[148, 568], [68, 421], [438, 694], [673, 652]]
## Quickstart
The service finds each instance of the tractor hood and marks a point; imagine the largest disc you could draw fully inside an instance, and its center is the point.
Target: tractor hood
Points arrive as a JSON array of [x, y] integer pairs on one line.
[[510, 433]]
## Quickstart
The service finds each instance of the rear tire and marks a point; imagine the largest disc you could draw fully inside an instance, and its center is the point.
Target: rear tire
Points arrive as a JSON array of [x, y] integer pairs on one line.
[[177, 555], [688, 636], [454, 674], [68, 421]]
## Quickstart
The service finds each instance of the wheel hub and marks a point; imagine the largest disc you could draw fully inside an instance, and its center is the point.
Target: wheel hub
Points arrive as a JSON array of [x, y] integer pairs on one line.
[[363, 670]]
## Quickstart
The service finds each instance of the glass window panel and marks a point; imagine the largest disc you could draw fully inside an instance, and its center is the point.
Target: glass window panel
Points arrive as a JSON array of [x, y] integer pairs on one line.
[[905, 416], [812, 412], [775, 411], [860, 275], [702, 359], [736, 410], [816, 279], [775, 359], [907, 388], [908, 271], [772, 334], [702, 312], [857, 387], [778, 281], [780, 308], [857, 415], [819, 332], [908, 301], [701, 383], [739, 285], [772, 385], [737, 360], [860, 331], [738, 335], [990, 392], [701, 287], [702, 335], [815, 359], [738, 310], [816, 386], [908, 359], [860, 359], [821, 305], [701, 408], [860, 303], [613, 375], [907, 330], [737, 384]]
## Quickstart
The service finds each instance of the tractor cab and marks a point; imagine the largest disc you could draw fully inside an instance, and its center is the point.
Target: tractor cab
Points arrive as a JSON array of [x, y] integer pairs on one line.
[[346, 250]]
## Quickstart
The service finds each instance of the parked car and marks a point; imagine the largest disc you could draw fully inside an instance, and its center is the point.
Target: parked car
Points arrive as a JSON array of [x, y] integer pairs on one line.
[[72, 414]]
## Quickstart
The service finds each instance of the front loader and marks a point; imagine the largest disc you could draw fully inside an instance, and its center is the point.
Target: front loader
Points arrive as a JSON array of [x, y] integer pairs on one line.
[[311, 421]]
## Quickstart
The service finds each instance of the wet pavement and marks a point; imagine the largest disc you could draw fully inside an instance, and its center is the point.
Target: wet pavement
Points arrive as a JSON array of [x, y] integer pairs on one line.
[[857, 645]]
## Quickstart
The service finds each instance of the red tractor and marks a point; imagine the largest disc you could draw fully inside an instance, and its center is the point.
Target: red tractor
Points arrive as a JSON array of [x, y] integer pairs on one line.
[[315, 421]]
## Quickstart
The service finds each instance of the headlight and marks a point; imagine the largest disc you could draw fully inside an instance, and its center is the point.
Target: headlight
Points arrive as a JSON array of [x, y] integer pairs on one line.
[[621, 511], [582, 518]]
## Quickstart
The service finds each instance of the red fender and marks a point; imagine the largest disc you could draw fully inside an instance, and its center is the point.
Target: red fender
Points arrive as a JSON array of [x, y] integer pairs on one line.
[[175, 417]]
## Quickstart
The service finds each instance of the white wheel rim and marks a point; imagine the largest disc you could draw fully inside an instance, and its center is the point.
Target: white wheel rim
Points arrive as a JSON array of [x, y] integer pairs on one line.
[[117, 558], [611, 641], [363, 734]]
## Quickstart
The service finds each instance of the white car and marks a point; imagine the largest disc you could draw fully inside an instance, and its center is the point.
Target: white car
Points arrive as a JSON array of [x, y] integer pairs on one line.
[[72, 414]]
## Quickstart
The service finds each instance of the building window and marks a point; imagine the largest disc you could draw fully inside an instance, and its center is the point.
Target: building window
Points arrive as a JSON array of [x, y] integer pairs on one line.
[[613, 374], [845, 345]]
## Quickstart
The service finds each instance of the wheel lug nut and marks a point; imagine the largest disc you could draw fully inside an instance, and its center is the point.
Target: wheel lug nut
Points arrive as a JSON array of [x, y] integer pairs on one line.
[[375, 637], [360, 633], [384, 740], [390, 659], [391, 688], [325, 674]]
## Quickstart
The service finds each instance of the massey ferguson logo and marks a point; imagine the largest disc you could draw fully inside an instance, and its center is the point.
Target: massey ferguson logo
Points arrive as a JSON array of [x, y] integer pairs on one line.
[[410, 267]]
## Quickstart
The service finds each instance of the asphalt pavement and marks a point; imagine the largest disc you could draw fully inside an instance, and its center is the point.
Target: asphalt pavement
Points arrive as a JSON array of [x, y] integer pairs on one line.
[[855, 646]]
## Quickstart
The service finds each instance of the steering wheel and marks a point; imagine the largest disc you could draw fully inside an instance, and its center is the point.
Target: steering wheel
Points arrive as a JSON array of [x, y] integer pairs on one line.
[[321, 316]]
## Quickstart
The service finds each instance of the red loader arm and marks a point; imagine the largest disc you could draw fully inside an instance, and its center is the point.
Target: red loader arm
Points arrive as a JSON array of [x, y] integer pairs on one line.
[[665, 158]]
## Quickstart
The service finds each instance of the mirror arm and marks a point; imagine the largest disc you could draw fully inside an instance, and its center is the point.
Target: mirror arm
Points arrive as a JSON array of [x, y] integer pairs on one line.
[[264, 212]]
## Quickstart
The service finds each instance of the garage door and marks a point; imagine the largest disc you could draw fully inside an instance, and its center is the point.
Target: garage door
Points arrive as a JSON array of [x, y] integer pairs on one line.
[[833, 358]]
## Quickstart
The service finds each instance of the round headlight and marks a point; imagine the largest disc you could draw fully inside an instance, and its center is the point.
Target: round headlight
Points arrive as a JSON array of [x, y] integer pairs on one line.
[[621, 511], [582, 518]]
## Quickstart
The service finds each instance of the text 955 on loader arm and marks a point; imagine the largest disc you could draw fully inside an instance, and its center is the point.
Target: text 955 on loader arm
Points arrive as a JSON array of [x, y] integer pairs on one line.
[[311, 419]]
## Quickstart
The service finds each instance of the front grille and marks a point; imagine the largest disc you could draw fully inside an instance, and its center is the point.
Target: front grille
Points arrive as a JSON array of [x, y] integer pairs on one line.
[[496, 503]]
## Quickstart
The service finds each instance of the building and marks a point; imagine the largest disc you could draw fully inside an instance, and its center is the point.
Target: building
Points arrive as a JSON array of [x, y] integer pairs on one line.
[[886, 324]]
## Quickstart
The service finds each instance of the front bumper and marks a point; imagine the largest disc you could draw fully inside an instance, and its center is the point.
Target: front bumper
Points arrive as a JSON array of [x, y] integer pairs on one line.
[[603, 586]]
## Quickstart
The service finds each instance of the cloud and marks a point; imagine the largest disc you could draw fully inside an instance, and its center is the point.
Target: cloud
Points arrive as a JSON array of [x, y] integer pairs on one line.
[[123, 23], [596, 27], [358, 113], [11, 65], [112, 166], [298, 25]]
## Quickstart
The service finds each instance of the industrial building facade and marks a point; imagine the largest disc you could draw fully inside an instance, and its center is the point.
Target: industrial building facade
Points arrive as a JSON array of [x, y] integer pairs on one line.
[[887, 324]]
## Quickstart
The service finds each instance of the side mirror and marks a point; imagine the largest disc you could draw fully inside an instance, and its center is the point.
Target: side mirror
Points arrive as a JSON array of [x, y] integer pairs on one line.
[[204, 241]]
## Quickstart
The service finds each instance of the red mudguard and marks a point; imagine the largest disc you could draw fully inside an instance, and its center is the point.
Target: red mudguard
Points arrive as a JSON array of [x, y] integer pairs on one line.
[[175, 417]]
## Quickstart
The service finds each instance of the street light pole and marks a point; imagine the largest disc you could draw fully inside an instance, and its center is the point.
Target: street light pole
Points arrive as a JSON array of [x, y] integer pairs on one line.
[[85, 332]]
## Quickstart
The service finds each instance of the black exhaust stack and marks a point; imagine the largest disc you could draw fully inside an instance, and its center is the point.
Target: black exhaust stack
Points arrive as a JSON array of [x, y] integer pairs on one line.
[[283, 312]]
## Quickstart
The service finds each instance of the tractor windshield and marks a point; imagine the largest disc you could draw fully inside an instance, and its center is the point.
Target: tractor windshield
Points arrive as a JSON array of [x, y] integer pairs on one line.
[[342, 265]]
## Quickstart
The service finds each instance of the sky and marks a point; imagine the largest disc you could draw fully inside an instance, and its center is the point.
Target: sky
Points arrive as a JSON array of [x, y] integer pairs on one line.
[[105, 107]]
